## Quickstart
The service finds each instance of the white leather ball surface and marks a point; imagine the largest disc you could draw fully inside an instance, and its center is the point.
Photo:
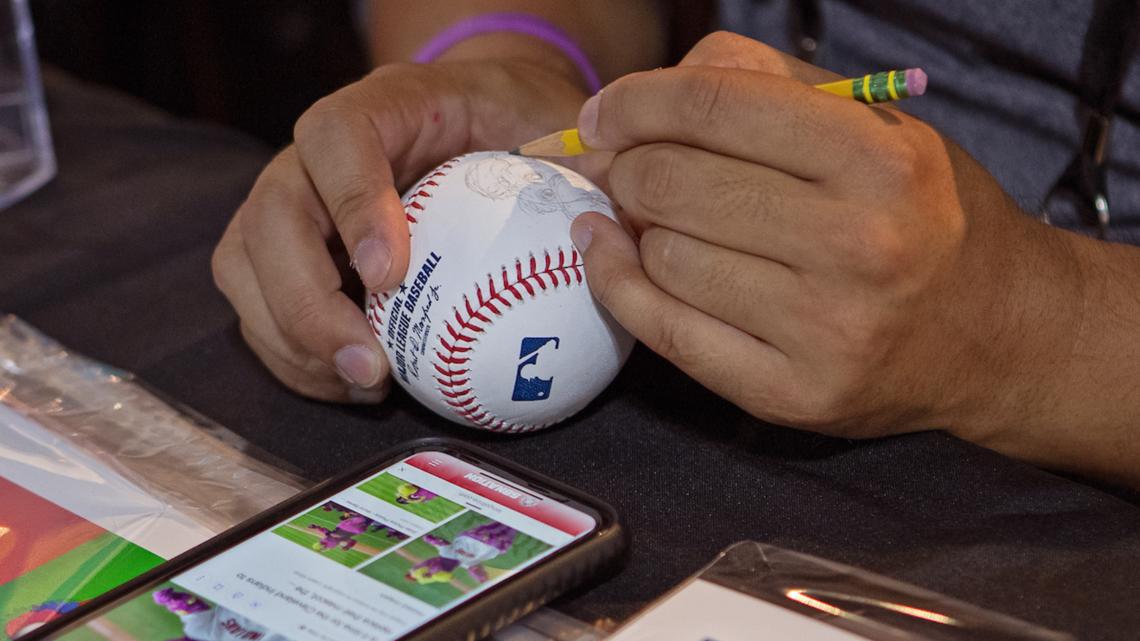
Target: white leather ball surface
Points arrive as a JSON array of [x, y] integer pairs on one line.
[[494, 326]]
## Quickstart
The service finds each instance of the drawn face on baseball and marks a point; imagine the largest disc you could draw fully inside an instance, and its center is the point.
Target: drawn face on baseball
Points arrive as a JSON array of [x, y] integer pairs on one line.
[[494, 326], [498, 178], [538, 188]]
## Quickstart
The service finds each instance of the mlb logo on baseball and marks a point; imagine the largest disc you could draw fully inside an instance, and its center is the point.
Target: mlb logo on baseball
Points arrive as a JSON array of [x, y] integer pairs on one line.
[[529, 384], [506, 335]]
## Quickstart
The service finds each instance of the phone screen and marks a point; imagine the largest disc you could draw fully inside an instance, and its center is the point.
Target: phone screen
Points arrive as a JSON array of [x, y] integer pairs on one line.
[[369, 563]]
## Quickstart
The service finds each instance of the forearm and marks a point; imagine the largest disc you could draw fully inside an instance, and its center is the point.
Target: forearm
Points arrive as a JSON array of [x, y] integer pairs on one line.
[[618, 37], [1077, 404]]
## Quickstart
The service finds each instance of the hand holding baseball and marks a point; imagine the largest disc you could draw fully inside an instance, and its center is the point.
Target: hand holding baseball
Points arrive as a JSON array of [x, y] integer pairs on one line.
[[821, 263], [332, 197], [494, 326]]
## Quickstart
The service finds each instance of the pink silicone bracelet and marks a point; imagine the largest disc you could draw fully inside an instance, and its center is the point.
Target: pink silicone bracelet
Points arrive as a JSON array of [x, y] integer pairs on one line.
[[514, 23]]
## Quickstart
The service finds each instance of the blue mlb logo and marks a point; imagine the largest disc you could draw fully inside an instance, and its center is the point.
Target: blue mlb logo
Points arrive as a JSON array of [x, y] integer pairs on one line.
[[530, 385]]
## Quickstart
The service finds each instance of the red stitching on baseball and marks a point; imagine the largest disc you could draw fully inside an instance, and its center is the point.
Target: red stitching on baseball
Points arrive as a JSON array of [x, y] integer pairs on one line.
[[456, 391], [448, 371], [377, 301], [421, 190], [453, 348], [471, 319]]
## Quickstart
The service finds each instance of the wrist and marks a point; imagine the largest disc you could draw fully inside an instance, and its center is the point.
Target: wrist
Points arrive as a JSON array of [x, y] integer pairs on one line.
[[1027, 303], [1071, 400], [541, 32], [508, 47], [508, 101], [1091, 426]]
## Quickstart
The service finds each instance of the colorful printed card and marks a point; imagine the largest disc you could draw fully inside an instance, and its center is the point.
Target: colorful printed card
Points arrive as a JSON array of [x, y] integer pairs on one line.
[[70, 527]]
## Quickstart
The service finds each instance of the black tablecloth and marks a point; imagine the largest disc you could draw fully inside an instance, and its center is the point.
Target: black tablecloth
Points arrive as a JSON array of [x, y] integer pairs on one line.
[[112, 259]]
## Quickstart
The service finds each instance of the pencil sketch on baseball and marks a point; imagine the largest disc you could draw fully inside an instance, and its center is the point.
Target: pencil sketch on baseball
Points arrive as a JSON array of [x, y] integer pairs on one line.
[[539, 188]]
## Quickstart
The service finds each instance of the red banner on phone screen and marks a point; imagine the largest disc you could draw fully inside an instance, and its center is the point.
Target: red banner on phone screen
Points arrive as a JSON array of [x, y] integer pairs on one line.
[[512, 496]]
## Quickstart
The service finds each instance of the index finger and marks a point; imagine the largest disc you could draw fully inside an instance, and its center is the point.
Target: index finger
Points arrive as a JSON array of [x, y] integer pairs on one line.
[[358, 144], [751, 115], [345, 158]]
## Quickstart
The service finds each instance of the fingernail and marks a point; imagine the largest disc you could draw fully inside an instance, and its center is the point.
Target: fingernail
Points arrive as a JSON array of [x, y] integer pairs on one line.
[[588, 119], [372, 261], [358, 365], [581, 234]]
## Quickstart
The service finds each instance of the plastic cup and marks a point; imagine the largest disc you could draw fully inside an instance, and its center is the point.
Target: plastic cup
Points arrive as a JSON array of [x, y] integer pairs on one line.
[[26, 157]]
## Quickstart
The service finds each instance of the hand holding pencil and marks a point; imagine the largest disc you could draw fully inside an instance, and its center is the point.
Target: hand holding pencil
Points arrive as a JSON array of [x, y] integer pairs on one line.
[[884, 86], [818, 263]]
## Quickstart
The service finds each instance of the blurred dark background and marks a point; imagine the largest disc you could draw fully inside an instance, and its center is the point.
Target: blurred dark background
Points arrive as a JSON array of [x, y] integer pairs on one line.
[[250, 64]]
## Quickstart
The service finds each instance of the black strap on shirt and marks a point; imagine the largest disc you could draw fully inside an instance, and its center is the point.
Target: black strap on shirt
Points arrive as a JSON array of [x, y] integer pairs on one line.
[[1109, 47], [806, 28]]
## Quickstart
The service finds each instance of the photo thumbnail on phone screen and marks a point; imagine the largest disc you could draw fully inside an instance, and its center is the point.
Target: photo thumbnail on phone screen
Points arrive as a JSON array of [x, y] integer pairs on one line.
[[370, 563]]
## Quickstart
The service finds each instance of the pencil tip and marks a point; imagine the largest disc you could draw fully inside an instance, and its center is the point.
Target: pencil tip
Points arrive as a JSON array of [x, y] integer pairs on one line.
[[517, 151]]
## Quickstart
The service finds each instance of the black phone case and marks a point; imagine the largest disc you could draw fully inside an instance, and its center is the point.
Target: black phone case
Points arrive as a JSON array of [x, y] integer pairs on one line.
[[500, 606]]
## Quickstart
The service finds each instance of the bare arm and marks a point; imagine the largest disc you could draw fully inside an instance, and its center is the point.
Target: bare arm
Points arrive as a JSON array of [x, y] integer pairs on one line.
[[1076, 404], [619, 37]]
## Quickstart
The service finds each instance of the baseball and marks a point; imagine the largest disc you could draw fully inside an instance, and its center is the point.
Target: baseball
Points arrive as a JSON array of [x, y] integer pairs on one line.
[[494, 325]]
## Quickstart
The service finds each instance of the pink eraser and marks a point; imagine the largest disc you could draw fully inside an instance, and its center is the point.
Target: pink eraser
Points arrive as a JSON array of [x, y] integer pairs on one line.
[[915, 82]]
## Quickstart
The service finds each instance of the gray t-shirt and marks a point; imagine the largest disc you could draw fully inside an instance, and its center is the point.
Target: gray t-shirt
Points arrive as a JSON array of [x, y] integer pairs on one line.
[[1003, 82]]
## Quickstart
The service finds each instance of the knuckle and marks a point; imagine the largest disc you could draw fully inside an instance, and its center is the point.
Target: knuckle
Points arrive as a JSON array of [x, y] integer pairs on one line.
[[270, 194], [716, 43], [316, 119], [884, 256], [313, 368], [255, 221], [396, 69], [859, 336], [353, 195], [822, 407], [654, 173], [874, 249], [249, 219], [745, 202], [719, 39], [703, 106], [896, 159], [657, 248], [668, 340], [301, 316], [608, 286], [311, 385], [727, 49], [219, 269]]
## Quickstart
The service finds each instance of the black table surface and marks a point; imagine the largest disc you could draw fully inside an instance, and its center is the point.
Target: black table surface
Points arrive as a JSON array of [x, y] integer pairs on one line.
[[112, 259]]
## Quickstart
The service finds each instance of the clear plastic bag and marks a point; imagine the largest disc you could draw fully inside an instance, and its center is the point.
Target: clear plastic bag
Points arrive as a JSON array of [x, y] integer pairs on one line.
[[754, 591], [100, 479]]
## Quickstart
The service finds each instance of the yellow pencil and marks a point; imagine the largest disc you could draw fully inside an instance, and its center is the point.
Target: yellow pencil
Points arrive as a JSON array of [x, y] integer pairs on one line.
[[885, 86]]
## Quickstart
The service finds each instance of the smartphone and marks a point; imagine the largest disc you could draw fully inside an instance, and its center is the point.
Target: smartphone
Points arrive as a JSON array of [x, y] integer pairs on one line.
[[434, 540]]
